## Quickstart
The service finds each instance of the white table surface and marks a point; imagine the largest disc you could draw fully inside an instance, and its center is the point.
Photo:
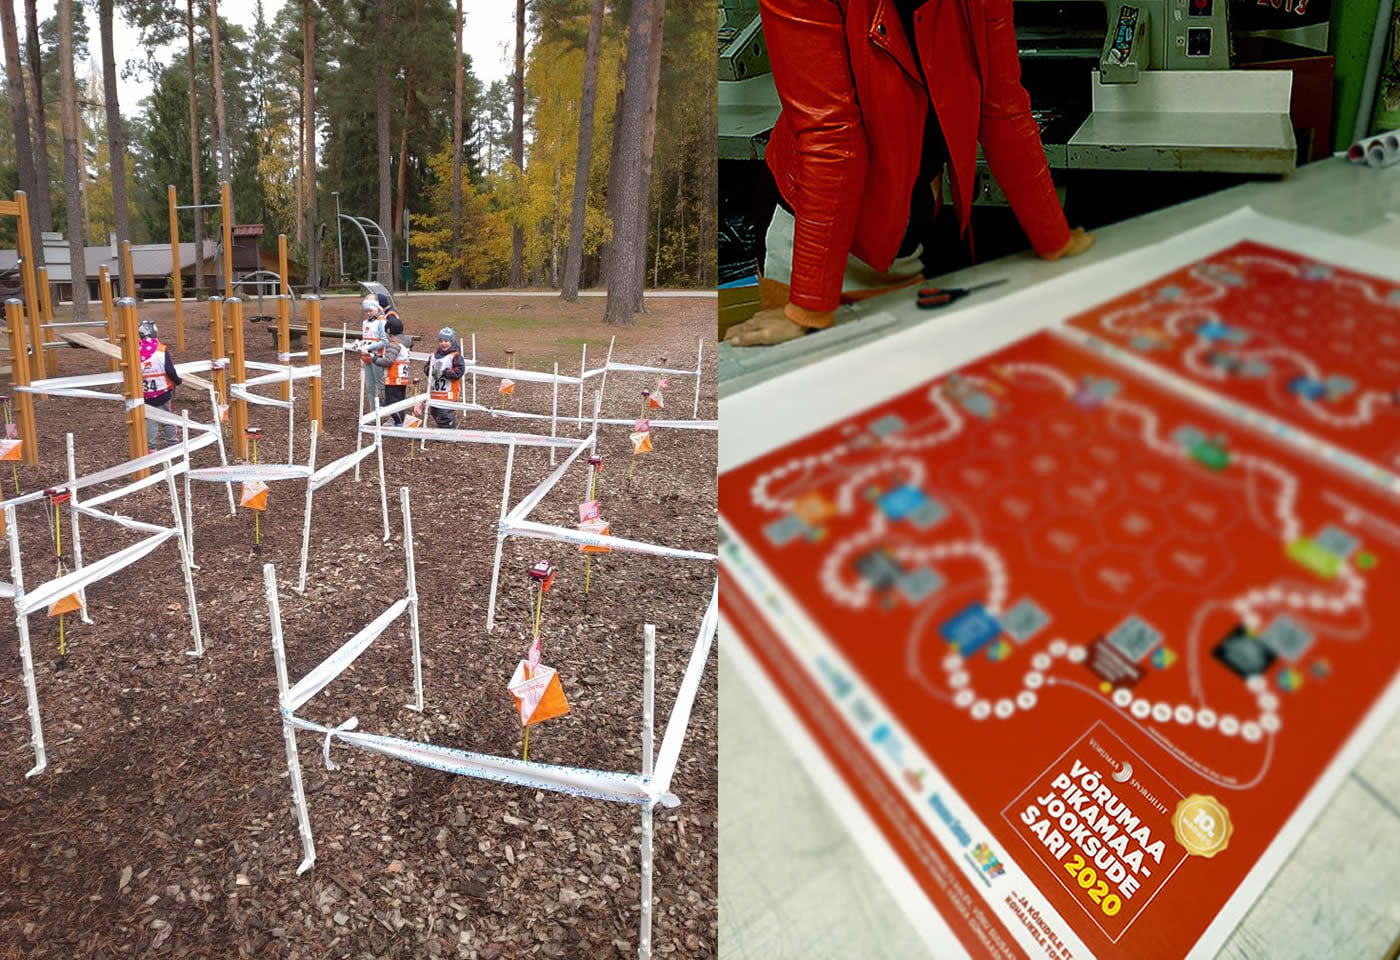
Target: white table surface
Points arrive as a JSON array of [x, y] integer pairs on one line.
[[793, 883]]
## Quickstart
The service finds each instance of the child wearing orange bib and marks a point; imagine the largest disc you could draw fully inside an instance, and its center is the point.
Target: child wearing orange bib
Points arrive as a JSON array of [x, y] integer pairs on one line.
[[158, 381], [394, 361]]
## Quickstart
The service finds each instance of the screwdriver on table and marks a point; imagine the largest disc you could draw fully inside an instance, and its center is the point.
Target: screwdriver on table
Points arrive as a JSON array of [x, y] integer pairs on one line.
[[934, 298]]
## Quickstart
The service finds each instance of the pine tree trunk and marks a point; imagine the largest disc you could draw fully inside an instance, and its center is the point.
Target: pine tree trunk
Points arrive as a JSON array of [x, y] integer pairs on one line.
[[573, 257], [517, 145], [225, 161], [116, 135], [627, 276], [649, 139], [68, 92], [403, 159], [656, 257], [706, 224], [19, 109], [554, 228], [301, 163], [614, 178], [194, 152], [455, 283], [40, 205], [381, 123], [308, 74]]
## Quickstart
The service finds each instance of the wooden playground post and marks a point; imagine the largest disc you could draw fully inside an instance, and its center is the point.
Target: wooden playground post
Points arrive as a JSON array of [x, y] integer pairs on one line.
[[284, 340], [132, 387], [46, 318], [177, 281], [109, 313], [128, 272], [25, 249], [19, 377], [226, 205], [282, 264], [313, 354], [216, 347], [236, 379]]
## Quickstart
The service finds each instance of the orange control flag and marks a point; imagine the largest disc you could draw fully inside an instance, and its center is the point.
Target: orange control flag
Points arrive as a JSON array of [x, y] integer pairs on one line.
[[254, 495]]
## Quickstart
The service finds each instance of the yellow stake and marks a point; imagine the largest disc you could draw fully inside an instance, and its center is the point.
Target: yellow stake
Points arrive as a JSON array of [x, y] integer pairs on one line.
[[539, 608]]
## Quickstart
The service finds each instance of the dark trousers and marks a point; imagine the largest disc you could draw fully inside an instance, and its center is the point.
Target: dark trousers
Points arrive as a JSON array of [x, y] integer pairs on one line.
[[392, 395]]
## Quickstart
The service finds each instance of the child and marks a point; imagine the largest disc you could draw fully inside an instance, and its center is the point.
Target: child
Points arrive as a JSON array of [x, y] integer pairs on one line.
[[158, 380], [373, 340], [394, 360], [445, 371]]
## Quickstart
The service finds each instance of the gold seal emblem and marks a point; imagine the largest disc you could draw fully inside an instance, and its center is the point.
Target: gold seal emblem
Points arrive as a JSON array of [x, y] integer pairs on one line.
[[1202, 825]]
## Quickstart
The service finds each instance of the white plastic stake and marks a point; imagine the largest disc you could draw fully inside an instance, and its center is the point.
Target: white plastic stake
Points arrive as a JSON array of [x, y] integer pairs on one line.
[[603, 386], [473, 370], [223, 456], [186, 562], [412, 601], [279, 656], [31, 694], [379, 451], [582, 369], [292, 410], [359, 421], [343, 328], [648, 712], [189, 499], [500, 538], [306, 522], [554, 412], [648, 696], [597, 406], [699, 352], [73, 523]]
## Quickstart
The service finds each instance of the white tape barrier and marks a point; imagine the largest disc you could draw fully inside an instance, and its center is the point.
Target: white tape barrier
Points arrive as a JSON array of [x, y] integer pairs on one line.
[[532, 499], [596, 784], [175, 470], [298, 373], [669, 755], [135, 466], [162, 416], [47, 593], [610, 421], [472, 436], [543, 531], [638, 368], [78, 394], [101, 379], [7, 590], [252, 471], [395, 407], [334, 469], [87, 509], [331, 667], [253, 398], [521, 375]]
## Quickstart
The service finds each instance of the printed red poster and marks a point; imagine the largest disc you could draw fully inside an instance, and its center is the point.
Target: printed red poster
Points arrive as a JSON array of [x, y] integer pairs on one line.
[[1078, 646], [1314, 345]]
